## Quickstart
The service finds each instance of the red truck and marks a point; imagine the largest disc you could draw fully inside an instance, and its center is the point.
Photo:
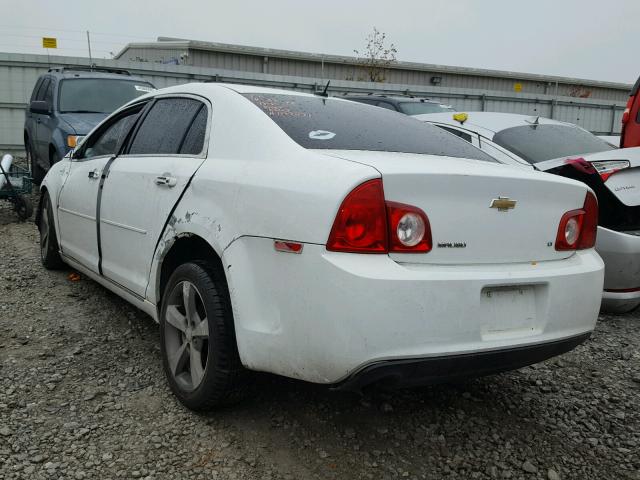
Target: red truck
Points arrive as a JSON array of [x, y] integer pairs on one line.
[[630, 135]]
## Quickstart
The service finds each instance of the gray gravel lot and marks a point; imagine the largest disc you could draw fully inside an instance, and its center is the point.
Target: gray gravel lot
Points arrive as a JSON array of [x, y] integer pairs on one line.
[[82, 395]]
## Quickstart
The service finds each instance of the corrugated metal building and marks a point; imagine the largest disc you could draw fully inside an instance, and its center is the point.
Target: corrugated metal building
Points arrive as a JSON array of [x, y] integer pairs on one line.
[[19, 72], [333, 67]]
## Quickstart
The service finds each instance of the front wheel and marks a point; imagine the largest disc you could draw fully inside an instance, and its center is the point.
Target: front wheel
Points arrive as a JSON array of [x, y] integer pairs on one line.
[[198, 343]]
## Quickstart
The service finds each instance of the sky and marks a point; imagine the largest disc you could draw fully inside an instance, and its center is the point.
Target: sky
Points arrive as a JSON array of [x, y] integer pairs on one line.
[[576, 38]]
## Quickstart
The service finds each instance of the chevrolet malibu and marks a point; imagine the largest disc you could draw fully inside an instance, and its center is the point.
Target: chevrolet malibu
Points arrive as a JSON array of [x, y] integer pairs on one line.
[[320, 239]]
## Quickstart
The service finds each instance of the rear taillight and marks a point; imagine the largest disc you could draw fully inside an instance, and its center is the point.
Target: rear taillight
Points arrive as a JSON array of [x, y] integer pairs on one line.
[[366, 223], [361, 223], [409, 229], [590, 222], [578, 228], [606, 168]]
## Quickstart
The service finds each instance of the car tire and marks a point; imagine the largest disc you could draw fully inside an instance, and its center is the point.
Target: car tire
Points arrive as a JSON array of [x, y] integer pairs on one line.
[[37, 172], [49, 249], [197, 339], [620, 309]]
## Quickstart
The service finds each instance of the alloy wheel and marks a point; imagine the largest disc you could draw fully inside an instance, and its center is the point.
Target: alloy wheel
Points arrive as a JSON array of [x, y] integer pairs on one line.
[[44, 228], [187, 336]]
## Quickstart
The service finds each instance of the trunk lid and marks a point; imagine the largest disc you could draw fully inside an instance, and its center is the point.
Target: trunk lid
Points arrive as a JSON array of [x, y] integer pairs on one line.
[[456, 194]]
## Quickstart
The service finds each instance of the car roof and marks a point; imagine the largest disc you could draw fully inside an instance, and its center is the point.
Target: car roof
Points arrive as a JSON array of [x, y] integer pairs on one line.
[[488, 121], [200, 88], [80, 73], [209, 89]]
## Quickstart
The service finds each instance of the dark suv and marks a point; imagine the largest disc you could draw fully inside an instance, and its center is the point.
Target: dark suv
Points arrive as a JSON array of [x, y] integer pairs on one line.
[[66, 104], [407, 105]]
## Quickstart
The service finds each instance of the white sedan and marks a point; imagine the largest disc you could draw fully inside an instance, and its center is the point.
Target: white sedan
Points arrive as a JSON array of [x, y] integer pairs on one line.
[[568, 150], [320, 239]]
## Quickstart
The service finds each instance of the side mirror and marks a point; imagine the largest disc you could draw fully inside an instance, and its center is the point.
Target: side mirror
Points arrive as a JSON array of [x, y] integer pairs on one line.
[[40, 106]]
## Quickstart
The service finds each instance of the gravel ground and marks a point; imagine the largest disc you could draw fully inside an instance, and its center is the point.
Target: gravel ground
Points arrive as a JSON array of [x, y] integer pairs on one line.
[[82, 395]]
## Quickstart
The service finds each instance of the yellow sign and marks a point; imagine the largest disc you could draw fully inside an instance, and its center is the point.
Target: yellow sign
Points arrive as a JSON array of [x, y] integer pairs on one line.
[[49, 42], [517, 87]]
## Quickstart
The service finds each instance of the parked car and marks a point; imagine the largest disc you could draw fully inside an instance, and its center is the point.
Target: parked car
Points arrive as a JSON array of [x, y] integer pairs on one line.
[[407, 104], [320, 239], [570, 151], [66, 104], [630, 135]]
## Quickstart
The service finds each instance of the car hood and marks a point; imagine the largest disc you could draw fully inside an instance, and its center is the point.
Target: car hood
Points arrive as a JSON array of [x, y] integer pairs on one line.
[[83, 123]]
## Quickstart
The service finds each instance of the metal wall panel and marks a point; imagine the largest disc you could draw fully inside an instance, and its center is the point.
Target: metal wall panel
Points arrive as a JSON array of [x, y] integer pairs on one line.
[[343, 71], [18, 74]]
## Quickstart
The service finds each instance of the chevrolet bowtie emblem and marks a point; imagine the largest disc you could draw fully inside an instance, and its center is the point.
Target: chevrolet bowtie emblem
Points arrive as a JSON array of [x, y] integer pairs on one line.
[[503, 204]]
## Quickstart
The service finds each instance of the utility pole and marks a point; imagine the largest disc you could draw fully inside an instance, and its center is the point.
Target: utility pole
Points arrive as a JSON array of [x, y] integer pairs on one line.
[[89, 45]]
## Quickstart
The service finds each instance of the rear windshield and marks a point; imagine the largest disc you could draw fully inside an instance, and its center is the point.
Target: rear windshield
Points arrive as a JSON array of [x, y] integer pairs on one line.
[[325, 123], [418, 108], [98, 95], [537, 143]]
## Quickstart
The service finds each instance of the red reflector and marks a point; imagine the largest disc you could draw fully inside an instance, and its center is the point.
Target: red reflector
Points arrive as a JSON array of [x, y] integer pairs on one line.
[[290, 247], [361, 223]]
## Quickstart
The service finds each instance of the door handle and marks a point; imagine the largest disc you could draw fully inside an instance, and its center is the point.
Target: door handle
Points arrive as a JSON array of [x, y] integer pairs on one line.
[[94, 174], [166, 180]]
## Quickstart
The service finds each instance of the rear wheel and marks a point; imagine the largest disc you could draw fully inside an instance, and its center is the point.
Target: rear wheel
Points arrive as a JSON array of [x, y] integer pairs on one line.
[[37, 172], [49, 254], [198, 342]]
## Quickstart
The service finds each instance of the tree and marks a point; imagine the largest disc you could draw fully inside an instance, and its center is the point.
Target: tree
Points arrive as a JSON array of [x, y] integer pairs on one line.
[[377, 56]]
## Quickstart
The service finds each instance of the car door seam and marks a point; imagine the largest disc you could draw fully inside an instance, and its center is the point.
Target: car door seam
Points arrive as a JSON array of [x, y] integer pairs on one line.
[[105, 172]]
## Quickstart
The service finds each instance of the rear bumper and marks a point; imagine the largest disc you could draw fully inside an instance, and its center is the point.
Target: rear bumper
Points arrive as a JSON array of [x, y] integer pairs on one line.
[[320, 316], [621, 254], [428, 371]]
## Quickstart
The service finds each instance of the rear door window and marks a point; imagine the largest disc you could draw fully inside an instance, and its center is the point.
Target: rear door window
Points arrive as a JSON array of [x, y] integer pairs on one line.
[[327, 123], [165, 127], [193, 142]]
